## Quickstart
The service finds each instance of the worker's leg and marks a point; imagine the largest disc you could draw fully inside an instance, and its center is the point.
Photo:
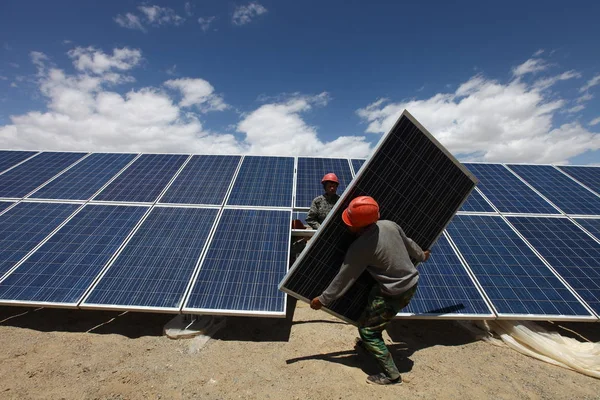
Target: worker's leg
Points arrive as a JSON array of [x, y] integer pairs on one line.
[[378, 313]]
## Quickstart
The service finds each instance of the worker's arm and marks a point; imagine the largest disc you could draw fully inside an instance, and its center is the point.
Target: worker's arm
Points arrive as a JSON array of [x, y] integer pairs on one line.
[[311, 218], [414, 250]]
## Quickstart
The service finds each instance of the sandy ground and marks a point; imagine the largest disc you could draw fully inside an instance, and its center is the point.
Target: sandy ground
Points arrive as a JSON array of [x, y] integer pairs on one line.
[[72, 354]]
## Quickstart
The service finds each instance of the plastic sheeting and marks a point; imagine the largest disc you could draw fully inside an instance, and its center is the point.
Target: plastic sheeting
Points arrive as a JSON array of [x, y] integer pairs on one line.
[[531, 339]]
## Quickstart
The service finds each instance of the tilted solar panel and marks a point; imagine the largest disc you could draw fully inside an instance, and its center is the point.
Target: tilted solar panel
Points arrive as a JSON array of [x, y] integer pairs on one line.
[[589, 176], [567, 194], [21, 180], [311, 171], [144, 180], [592, 225], [246, 258], [416, 183], [24, 226], [85, 178], [357, 165], [154, 268], [5, 204], [10, 158], [507, 192], [263, 182], [63, 268], [445, 287], [513, 277], [569, 250], [203, 180], [476, 203]]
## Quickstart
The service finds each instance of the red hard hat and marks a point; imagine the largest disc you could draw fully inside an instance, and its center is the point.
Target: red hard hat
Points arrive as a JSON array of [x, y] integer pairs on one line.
[[361, 211], [330, 177]]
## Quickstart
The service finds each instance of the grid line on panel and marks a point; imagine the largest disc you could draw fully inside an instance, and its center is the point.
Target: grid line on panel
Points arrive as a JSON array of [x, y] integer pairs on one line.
[[144, 180], [445, 286], [589, 176], [9, 158], [62, 269], [561, 190], [21, 180], [476, 203], [4, 205], [507, 192], [84, 179], [311, 171], [245, 260], [24, 226], [513, 277], [155, 266], [263, 182], [204, 180], [570, 251], [591, 225]]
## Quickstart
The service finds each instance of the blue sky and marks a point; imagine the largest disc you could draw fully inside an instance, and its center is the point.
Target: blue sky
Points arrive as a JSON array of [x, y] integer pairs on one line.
[[503, 82]]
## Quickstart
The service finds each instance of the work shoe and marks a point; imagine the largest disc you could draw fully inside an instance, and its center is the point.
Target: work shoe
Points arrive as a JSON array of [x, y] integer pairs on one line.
[[382, 379], [358, 343]]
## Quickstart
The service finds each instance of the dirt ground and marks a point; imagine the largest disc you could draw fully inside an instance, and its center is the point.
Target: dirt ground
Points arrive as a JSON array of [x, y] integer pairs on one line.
[[72, 354]]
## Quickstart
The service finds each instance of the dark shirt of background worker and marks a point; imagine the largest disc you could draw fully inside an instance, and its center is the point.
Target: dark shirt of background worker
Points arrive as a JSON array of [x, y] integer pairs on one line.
[[322, 204], [384, 251]]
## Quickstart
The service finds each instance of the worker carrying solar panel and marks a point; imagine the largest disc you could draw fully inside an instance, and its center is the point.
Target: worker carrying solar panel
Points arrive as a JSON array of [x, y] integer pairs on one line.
[[383, 249], [322, 205]]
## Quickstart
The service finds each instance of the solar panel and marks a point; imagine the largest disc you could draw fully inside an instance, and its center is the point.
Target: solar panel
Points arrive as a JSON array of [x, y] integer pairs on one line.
[[246, 258], [5, 204], [567, 194], [10, 158], [85, 178], [154, 268], [475, 202], [592, 226], [264, 182], [25, 225], [301, 216], [357, 164], [144, 180], [416, 183], [311, 171], [589, 176], [507, 192], [62, 269], [204, 180], [569, 250], [515, 280], [446, 288], [21, 180]]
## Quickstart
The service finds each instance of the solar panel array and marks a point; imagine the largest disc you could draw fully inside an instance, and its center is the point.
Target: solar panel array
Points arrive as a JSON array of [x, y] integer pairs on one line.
[[210, 234]]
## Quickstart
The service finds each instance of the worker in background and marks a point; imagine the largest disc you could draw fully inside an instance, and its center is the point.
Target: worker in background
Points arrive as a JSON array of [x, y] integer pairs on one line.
[[322, 204], [383, 249]]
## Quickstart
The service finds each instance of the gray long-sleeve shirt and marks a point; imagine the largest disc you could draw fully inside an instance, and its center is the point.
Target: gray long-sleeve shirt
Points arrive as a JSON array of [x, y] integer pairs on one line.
[[319, 209], [384, 251]]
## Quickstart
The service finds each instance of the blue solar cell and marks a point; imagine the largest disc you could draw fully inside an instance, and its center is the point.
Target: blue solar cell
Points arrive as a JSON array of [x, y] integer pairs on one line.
[[513, 277], [21, 180], [5, 204], [144, 180], [476, 202], [507, 192], [155, 267], [245, 261], [62, 269], [567, 194], [24, 226], [589, 176], [592, 226], [264, 181], [85, 178], [11, 158], [445, 286], [569, 250], [204, 180], [311, 171], [357, 164]]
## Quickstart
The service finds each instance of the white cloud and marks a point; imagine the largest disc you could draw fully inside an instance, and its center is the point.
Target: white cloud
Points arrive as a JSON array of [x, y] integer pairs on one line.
[[491, 121], [130, 21], [205, 22], [278, 128], [538, 53], [595, 121], [67, 42], [585, 97], [156, 15], [3, 78], [591, 83], [13, 85], [189, 8], [197, 92], [244, 14], [90, 59], [530, 66], [172, 71], [575, 109], [545, 83]]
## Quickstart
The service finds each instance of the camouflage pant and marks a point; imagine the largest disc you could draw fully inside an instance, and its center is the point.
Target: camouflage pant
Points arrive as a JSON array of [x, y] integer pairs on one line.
[[379, 312]]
